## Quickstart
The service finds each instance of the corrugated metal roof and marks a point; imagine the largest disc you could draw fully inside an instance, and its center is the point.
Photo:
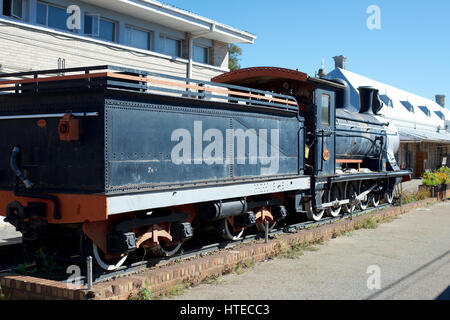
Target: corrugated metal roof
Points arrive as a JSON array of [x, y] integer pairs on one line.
[[411, 134]]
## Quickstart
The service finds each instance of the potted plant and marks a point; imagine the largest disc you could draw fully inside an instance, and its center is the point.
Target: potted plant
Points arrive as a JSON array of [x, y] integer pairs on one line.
[[429, 183], [443, 177], [436, 183]]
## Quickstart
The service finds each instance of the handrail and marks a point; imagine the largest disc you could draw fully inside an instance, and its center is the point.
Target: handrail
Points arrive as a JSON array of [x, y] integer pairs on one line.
[[143, 81]]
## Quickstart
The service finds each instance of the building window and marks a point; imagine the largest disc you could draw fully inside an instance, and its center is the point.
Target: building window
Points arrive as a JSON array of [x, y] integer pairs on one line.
[[107, 30], [425, 110], [440, 115], [52, 16], [13, 8], [91, 25], [99, 27], [387, 101], [408, 106], [325, 110], [139, 38], [201, 54], [171, 46]]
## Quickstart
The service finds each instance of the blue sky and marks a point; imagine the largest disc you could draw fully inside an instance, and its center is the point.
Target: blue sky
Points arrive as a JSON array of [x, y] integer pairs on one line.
[[411, 51]]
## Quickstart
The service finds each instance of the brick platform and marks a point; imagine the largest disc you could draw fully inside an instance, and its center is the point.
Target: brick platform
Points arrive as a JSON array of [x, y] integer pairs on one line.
[[190, 272]]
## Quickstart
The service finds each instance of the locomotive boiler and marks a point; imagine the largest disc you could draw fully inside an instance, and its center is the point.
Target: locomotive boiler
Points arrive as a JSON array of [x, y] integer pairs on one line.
[[363, 135]]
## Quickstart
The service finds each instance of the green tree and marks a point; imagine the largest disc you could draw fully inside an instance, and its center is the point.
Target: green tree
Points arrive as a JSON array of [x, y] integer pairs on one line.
[[235, 53]]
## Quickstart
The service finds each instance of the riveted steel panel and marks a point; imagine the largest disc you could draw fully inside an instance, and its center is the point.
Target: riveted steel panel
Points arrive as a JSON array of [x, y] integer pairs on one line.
[[152, 146]]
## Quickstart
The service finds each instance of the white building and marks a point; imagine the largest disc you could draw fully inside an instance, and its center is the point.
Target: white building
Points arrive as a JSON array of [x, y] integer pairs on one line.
[[140, 34], [423, 124]]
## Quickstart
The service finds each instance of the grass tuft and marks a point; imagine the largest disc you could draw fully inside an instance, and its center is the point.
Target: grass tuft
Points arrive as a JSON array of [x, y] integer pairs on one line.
[[413, 197], [145, 293], [177, 290], [368, 223], [295, 251], [214, 280]]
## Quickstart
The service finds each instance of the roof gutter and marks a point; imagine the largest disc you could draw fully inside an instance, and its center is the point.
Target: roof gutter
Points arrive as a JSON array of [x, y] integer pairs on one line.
[[245, 37]]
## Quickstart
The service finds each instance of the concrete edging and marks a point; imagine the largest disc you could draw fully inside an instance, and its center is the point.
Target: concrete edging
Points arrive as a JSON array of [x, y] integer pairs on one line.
[[160, 281]]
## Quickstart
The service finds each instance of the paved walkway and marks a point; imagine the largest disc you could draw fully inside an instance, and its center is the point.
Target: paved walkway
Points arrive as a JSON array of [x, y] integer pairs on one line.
[[411, 254], [8, 234]]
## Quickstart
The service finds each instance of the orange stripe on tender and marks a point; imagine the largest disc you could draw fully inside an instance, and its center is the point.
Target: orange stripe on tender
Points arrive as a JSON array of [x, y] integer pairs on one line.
[[190, 86], [56, 78], [143, 79], [74, 208]]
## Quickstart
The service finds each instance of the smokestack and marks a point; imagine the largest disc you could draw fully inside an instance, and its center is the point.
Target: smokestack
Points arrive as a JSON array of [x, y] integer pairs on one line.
[[339, 61], [322, 72], [440, 99]]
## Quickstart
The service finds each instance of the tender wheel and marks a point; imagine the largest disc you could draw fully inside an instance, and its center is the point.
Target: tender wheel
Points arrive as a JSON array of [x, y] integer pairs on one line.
[[166, 250], [228, 232], [389, 197], [349, 193], [106, 265], [334, 195]]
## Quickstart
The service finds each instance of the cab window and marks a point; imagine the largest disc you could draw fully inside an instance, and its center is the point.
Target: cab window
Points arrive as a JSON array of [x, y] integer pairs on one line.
[[325, 106]]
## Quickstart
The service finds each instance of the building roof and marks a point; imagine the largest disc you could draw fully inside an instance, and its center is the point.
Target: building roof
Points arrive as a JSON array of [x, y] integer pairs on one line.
[[416, 117], [173, 17]]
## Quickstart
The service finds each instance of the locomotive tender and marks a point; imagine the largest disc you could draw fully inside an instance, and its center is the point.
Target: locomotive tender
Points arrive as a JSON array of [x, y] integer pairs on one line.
[[113, 159]]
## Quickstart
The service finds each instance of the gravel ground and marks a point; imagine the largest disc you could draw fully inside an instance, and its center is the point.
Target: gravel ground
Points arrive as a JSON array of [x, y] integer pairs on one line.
[[411, 254], [412, 186]]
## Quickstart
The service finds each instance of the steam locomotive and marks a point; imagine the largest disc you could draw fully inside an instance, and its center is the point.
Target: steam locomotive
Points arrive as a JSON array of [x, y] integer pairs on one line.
[[106, 160]]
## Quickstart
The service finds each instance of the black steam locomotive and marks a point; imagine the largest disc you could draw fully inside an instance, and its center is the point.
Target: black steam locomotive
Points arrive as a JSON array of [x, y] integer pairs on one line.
[[122, 159]]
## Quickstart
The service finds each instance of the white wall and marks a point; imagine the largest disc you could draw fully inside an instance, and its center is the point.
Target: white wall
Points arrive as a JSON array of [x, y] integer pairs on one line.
[[122, 22], [25, 48]]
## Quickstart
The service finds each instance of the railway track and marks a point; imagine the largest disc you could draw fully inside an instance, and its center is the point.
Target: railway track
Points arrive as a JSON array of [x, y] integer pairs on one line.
[[190, 252]]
